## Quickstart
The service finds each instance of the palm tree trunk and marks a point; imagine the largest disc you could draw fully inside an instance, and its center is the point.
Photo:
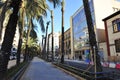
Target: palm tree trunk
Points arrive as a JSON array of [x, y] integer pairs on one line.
[[48, 46], [19, 51], [44, 49], [8, 39], [26, 49], [62, 49], [92, 37], [21, 36]]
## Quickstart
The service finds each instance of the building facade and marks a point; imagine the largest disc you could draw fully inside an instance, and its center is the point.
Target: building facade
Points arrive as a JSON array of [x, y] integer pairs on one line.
[[112, 28], [56, 43], [79, 30], [67, 43]]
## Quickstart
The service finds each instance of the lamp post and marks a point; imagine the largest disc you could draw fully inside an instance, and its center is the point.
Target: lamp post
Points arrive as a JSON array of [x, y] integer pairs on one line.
[[92, 37], [62, 48]]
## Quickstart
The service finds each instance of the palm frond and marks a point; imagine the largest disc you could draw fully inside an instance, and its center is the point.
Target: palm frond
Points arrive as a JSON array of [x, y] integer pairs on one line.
[[36, 7], [41, 22], [1, 4], [33, 34], [55, 2]]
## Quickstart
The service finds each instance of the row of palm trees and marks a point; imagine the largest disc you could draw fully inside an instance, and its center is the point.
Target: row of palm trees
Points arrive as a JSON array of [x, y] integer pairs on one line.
[[22, 13]]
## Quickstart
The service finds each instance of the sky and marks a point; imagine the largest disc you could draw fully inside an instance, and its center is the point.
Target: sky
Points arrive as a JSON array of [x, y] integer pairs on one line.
[[71, 6]]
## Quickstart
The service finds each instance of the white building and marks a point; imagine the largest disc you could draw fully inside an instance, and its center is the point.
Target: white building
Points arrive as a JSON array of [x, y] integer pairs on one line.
[[56, 42]]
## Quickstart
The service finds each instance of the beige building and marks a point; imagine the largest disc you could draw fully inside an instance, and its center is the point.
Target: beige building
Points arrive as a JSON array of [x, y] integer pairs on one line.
[[67, 43], [112, 28]]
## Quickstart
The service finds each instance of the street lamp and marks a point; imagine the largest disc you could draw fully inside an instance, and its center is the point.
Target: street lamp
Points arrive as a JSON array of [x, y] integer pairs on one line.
[[62, 48]]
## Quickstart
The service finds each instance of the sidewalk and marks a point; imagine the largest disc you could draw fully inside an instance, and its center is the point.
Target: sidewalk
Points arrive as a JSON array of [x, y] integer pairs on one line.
[[12, 63], [41, 70], [104, 64]]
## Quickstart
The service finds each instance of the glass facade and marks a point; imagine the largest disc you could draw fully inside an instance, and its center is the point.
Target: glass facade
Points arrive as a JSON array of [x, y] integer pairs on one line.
[[80, 30]]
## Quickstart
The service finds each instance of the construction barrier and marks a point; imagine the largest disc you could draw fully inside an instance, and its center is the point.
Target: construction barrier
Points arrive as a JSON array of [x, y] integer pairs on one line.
[[105, 64], [112, 65], [118, 66]]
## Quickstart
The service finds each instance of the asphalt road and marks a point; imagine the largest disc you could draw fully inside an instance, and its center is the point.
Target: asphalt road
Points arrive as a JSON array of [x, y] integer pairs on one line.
[[86, 66], [41, 70]]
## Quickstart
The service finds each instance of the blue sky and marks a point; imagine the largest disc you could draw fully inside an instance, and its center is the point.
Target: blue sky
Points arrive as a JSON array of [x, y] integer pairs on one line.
[[71, 6]]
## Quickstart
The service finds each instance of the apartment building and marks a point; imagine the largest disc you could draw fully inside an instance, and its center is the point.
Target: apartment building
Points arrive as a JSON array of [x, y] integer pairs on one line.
[[67, 43], [55, 43], [112, 29]]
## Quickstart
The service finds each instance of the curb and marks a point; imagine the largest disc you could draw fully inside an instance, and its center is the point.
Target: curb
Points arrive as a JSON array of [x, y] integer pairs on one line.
[[104, 64], [70, 73], [18, 75], [109, 65]]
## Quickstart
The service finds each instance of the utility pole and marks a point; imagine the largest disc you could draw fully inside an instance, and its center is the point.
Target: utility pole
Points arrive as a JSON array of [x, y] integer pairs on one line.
[[62, 48], [92, 37], [52, 35]]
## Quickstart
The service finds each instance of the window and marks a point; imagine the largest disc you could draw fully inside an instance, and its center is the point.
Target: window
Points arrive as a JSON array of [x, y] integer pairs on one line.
[[117, 45], [116, 25]]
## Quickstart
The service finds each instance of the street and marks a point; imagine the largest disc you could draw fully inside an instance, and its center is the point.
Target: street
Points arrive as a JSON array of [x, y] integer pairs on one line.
[[81, 65], [41, 70]]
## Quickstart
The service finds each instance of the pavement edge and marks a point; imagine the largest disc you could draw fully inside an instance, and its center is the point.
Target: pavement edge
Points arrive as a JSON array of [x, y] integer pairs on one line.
[[70, 73], [18, 75]]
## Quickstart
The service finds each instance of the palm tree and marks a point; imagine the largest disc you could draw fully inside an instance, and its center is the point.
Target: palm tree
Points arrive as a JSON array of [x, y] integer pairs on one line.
[[92, 37], [62, 49], [31, 38], [10, 31], [44, 48], [30, 28], [32, 9], [21, 27], [8, 38], [33, 46]]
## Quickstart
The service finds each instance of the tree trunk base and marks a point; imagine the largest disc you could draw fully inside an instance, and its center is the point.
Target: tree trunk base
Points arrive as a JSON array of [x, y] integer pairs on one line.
[[4, 57]]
